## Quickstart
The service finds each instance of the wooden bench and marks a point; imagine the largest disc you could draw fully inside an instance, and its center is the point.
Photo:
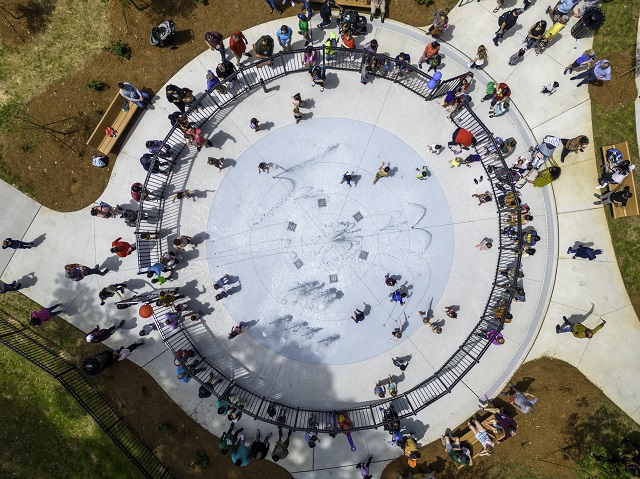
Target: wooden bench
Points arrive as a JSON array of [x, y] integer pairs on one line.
[[632, 205], [116, 119], [470, 440]]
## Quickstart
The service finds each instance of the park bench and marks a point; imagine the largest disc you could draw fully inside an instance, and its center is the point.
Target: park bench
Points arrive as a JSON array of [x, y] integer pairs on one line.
[[469, 439], [117, 119], [632, 205]]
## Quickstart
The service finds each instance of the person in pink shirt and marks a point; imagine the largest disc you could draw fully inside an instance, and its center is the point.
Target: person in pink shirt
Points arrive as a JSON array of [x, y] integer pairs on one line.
[[38, 318]]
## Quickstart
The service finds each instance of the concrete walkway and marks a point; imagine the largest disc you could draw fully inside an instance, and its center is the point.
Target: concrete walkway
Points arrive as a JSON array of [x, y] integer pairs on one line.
[[555, 284]]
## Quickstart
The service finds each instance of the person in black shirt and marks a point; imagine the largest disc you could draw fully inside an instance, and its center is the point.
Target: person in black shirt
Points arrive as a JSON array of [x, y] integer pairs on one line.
[[618, 198], [225, 71], [505, 22]]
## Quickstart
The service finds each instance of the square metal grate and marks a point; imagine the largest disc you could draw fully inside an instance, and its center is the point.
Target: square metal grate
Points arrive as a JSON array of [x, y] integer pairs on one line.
[[364, 255], [358, 216], [298, 263], [322, 202], [333, 278], [292, 226]]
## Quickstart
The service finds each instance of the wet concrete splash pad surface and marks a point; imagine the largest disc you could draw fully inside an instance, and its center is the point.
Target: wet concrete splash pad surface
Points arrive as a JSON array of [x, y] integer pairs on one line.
[[304, 250]]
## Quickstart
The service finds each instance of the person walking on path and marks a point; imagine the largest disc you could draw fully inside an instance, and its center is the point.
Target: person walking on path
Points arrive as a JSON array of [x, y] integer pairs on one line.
[[600, 71], [506, 21], [584, 252], [364, 467], [123, 353], [578, 330], [122, 248], [181, 242], [550, 89], [38, 318], [303, 28], [389, 280], [524, 402], [397, 332], [110, 291], [392, 386], [97, 335], [254, 124], [378, 5], [259, 449], [16, 244], [77, 272], [325, 13], [430, 51], [281, 449], [182, 194], [616, 197], [480, 58], [588, 58], [535, 33], [578, 143], [237, 329], [131, 93], [284, 35], [222, 282], [6, 287], [400, 363], [382, 172], [238, 46], [398, 296], [214, 41]]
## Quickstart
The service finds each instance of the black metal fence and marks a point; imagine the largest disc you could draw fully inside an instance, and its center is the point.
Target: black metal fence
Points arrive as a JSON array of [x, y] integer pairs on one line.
[[28, 345], [368, 416]]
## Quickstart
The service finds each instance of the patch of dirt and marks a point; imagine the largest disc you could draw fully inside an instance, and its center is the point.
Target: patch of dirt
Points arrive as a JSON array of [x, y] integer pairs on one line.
[[54, 165], [22, 20], [619, 91], [565, 397]]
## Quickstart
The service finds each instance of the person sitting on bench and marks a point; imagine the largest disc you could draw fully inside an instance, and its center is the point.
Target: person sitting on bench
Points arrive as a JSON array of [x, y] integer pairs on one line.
[[457, 453]]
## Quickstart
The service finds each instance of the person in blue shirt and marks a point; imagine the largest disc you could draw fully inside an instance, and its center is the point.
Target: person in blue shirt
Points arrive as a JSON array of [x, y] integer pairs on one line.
[[184, 373], [284, 37], [241, 455], [600, 71], [398, 296], [588, 58]]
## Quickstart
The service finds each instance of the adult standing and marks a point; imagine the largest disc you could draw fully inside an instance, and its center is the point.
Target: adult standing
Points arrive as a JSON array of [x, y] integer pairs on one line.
[[600, 71], [242, 455], [584, 252], [174, 96], [501, 93], [263, 48], [16, 244], [238, 46], [184, 373], [131, 93], [181, 242], [226, 72], [615, 197], [281, 449], [122, 248], [38, 318], [440, 22], [284, 35], [364, 468], [578, 143], [273, 5], [97, 334], [77, 272], [325, 13], [378, 5], [110, 291], [430, 51], [229, 442], [506, 21], [578, 330], [259, 449], [214, 41]]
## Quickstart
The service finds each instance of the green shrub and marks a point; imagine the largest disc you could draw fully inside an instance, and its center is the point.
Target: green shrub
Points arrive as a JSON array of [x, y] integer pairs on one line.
[[119, 49], [166, 429], [201, 461], [8, 114], [424, 2], [96, 85]]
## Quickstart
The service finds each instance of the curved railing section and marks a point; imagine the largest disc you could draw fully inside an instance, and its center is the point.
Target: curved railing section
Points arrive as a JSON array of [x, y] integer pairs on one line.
[[154, 212]]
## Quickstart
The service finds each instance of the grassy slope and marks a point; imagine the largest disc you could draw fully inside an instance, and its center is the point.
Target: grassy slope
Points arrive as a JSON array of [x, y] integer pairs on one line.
[[612, 125]]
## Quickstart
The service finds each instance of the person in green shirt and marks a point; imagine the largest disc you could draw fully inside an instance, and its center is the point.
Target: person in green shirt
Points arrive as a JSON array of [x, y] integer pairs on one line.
[[303, 28], [578, 330], [229, 441], [457, 453], [281, 449]]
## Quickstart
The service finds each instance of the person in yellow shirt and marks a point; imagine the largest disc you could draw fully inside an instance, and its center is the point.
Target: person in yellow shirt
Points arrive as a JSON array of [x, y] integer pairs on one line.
[[577, 329]]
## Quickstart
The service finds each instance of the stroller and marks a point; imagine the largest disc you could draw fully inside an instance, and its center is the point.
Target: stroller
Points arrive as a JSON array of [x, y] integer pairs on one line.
[[350, 20], [541, 153], [162, 35]]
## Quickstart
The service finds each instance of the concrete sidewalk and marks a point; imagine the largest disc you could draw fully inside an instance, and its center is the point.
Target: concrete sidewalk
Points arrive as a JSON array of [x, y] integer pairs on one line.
[[563, 214]]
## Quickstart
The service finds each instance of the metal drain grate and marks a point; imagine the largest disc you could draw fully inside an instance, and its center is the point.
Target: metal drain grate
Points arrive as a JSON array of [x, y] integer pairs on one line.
[[358, 216], [333, 278], [364, 255], [298, 263], [292, 226], [322, 202]]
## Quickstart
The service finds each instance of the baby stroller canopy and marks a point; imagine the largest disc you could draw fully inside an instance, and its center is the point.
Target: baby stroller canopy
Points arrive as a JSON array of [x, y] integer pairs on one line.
[[162, 34]]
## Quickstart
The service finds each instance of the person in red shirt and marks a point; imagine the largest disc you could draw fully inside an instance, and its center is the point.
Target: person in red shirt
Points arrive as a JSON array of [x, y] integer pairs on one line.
[[238, 45], [501, 93], [122, 248], [463, 138]]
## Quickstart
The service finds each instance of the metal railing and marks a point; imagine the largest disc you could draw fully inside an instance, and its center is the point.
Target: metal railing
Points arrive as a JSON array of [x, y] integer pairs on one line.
[[370, 415], [28, 345]]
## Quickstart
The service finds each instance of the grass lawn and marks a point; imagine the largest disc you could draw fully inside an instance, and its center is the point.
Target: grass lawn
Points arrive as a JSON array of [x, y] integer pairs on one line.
[[46, 433], [614, 123]]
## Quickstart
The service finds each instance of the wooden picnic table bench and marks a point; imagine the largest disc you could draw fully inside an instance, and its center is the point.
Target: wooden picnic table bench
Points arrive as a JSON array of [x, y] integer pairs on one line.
[[470, 440], [115, 118], [631, 209]]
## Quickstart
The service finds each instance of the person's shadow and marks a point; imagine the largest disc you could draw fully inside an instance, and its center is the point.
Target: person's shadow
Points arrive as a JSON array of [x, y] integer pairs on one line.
[[579, 318]]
